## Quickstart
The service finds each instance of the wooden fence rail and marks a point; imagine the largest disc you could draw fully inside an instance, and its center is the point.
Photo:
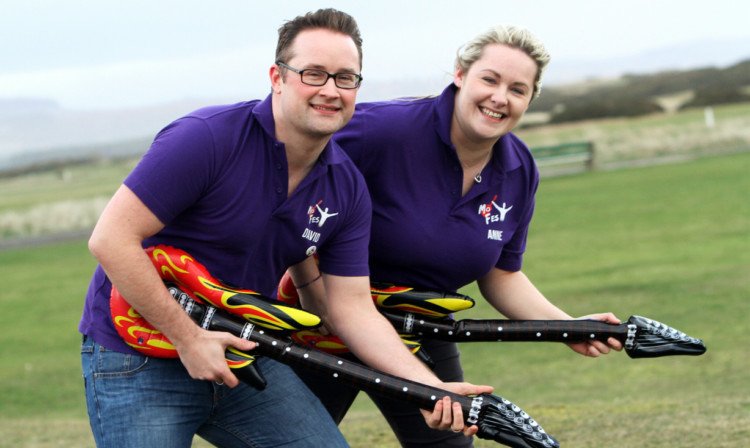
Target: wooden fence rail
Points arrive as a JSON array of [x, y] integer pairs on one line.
[[578, 156]]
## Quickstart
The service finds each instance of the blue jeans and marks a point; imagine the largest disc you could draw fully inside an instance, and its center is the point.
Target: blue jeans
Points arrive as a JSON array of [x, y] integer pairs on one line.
[[139, 401]]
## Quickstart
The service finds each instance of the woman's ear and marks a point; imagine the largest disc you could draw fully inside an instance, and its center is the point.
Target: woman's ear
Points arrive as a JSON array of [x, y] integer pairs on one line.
[[458, 77]]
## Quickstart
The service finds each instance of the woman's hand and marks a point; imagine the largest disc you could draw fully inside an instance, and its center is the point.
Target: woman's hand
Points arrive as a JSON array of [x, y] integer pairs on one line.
[[595, 348]]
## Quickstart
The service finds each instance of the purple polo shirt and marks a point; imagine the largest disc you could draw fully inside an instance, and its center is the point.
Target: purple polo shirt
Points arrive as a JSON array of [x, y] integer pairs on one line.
[[424, 234], [217, 178]]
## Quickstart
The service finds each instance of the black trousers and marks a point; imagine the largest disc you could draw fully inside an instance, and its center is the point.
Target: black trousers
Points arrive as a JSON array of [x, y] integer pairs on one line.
[[406, 421]]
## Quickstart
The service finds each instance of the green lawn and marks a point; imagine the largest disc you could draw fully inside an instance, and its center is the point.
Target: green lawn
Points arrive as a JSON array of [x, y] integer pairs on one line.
[[76, 182], [669, 242]]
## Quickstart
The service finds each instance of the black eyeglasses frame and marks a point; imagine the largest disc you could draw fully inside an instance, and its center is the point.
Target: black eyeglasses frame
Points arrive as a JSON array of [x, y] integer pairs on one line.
[[335, 76]]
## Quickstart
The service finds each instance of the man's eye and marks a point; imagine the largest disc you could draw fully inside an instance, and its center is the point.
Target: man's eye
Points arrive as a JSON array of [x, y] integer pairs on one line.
[[314, 75]]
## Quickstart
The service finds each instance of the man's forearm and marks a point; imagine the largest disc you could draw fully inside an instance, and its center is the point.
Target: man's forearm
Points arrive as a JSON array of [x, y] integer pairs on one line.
[[133, 274]]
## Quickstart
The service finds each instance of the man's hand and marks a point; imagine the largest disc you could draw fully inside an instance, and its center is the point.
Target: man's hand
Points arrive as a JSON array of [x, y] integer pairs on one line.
[[595, 348], [203, 355], [449, 416]]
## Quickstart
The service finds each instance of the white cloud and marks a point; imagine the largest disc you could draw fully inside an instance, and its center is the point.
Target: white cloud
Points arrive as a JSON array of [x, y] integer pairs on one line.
[[134, 83], [88, 53]]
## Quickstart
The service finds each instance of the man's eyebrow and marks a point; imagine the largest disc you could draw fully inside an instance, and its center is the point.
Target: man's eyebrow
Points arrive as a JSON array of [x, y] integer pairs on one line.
[[321, 67]]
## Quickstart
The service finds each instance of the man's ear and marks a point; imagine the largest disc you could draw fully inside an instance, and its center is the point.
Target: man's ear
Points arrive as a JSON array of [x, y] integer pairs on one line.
[[275, 74]]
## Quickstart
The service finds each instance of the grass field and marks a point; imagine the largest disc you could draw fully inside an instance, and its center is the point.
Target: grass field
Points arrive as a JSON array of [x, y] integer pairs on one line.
[[669, 242], [59, 200], [71, 198], [681, 133]]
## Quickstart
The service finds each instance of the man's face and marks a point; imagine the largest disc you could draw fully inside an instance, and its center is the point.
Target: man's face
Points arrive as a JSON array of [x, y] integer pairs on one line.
[[315, 111]]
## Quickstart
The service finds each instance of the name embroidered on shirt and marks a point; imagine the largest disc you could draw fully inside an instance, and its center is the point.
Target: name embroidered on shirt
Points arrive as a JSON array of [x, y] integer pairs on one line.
[[311, 236], [496, 235]]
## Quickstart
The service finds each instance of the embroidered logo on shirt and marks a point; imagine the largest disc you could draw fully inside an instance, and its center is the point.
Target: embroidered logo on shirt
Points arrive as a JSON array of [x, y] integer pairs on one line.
[[486, 211], [317, 217], [324, 214]]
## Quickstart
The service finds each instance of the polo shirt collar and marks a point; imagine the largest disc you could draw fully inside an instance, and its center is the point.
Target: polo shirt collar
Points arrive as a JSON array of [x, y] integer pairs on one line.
[[504, 150], [332, 153]]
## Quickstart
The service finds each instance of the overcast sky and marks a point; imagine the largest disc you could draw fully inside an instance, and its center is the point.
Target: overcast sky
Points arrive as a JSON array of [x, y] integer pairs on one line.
[[95, 54]]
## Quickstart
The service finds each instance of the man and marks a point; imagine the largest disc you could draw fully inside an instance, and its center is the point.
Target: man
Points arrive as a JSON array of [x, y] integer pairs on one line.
[[238, 187]]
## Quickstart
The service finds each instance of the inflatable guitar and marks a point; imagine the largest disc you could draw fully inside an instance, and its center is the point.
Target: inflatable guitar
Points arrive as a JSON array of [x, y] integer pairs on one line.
[[249, 317], [424, 314], [178, 268], [386, 297]]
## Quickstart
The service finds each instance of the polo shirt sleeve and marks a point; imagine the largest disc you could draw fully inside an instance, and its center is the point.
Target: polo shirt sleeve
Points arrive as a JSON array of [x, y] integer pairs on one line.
[[511, 258], [346, 254], [176, 169]]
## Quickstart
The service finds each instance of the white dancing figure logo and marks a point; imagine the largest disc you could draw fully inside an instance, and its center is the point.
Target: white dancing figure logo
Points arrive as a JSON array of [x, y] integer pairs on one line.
[[486, 211], [324, 214], [317, 217]]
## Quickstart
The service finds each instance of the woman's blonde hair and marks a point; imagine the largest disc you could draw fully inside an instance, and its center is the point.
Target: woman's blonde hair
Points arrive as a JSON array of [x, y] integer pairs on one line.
[[511, 36]]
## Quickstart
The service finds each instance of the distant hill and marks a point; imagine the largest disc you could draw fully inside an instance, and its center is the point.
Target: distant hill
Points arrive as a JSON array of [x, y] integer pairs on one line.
[[634, 95], [32, 131], [36, 131], [718, 53]]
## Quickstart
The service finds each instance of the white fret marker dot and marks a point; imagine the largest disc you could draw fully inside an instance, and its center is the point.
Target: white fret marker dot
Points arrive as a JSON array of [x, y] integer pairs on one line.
[[335, 375], [340, 362], [499, 328], [306, 355], [405, 389], [377, 380], [273, 343], [592, 335], [539, 335], [433, 398], [288, 349], [565, 335]]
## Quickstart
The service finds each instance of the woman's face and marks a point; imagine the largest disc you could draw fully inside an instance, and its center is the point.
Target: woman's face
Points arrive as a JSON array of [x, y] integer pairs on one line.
[[493, 95]]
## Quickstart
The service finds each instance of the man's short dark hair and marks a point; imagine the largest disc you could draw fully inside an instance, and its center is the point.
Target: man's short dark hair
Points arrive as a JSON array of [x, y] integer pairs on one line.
[[330, 19]]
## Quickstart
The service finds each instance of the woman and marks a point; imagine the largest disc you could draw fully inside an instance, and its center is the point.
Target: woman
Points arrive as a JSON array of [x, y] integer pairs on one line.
[[453, 195]]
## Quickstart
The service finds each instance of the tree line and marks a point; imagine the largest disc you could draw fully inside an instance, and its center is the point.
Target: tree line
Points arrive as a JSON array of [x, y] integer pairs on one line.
[[634, 95]]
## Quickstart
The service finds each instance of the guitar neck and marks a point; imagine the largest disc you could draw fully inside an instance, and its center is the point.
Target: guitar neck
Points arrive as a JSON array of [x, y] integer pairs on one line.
[[507, 330], [353, 374], [497, 418], [295, 354]]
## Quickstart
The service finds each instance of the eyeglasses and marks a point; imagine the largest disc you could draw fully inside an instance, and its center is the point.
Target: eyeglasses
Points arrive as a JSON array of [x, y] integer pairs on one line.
[[315, 77]]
